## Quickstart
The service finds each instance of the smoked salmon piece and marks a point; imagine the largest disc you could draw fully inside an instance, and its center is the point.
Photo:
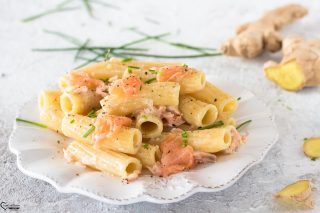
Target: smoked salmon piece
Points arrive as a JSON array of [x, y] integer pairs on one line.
[[83, 82], [128, 86], [173, 73], [175, 157], [107, 125]]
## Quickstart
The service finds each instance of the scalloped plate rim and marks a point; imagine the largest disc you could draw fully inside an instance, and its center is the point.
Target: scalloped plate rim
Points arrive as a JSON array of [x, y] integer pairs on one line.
[[142, 197]]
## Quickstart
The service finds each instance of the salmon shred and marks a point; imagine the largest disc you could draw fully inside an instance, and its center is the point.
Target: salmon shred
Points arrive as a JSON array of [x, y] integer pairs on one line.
[[175, 158], [172, 73], [83, 82], [108, 125], [83, 79], [130, 85]]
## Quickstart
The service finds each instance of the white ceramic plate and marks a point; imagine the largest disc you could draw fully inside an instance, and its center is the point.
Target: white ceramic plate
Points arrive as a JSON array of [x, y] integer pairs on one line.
[[39, 155]]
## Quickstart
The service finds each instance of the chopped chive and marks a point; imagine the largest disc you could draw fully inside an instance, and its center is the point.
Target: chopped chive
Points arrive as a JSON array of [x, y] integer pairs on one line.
[[151, 21], [145, 38], [81, 48], [289, 108], [149, 80], [243, 124], [88, 48], [92, 113], [153, 71], [106, 4], [89, 131], [127, 59], [72, 121], [146, 146], [185, 65], [123, 51], [107, 55], [48, 12], [238, 99], [32, 122], [171, 56], [184, 136], [313, 159], [66, 37], [130, 68], [214, 125], [106, 81], [176, 44], [305, 139], [88, 7], [133, 67]]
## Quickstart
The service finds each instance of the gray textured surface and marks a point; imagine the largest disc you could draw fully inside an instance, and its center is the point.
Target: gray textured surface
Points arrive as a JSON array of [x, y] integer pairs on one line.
[[206, 23]]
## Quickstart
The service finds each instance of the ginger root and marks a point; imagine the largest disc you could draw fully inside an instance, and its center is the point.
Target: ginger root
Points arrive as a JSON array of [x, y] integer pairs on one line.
[[263, 34], [298, 194], [311, 148], [300, 66]]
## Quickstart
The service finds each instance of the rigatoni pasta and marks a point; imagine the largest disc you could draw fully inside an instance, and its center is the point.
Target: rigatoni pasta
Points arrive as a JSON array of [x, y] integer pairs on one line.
[[196, 112], [79, 103], [225, 103], [193, 82], [127, 140], [125, 114], [50, 110], [148, 154], [162, 93], [210, 140], [124, 106], [107, 161], [150, 125]]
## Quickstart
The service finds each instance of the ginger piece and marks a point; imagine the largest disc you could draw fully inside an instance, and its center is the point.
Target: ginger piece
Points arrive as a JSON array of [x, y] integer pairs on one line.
[[311, 148], [298, 194], [263, 34], [300, 66]]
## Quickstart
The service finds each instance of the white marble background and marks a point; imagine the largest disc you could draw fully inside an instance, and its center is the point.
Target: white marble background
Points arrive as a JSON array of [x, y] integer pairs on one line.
[[24, 73]]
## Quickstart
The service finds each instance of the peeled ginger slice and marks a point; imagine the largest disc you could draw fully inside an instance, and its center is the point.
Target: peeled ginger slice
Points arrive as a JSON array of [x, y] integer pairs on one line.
[[289, 75], [298, 194], [311, 148]]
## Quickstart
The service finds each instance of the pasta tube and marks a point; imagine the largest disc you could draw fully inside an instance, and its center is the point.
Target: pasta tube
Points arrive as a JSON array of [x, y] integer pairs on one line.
[[225, 103], [148, 154], [102, 70], [161, 93], [193, 82], [127, 140], [150, 125], [196, 112], [79, 103], [50, 111], [115, 105], [210, 140], [107, 161]]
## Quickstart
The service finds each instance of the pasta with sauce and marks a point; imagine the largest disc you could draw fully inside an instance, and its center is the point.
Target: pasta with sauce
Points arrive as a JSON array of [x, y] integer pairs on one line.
[[126, 115]]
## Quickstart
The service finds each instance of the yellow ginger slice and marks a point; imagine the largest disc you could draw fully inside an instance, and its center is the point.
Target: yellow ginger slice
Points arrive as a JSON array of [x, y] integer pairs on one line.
[[298, 194], [288, 76], [311, 148]]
